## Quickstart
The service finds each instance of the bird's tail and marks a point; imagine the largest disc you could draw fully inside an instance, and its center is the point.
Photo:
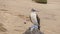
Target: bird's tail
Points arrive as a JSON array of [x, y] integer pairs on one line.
[[33, 27]]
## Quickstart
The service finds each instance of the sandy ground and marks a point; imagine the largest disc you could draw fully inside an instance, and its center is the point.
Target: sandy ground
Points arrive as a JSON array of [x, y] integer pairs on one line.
[[13, 14]]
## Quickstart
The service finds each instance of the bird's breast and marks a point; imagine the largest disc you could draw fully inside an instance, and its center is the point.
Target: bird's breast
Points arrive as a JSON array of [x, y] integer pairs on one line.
[[34, 19]]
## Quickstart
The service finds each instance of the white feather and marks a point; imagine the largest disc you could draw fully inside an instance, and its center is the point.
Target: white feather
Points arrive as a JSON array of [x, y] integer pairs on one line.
[[33, 18]]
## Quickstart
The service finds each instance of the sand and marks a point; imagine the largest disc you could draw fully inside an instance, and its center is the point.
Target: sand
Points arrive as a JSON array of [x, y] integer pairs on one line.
[[14, 16]]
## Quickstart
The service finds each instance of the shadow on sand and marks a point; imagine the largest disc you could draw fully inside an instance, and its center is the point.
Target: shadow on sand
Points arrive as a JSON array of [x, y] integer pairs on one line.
[[33, 32]]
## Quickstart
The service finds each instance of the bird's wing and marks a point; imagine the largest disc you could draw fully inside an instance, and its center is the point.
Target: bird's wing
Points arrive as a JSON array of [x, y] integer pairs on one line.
[[38, 19]]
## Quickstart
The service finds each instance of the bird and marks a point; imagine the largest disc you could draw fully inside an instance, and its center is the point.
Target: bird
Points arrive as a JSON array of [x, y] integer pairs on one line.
[[34, 18], [35, 27]]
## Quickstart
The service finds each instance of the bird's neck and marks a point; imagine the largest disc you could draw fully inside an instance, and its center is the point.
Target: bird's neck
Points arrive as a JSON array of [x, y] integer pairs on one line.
[[33, 12]]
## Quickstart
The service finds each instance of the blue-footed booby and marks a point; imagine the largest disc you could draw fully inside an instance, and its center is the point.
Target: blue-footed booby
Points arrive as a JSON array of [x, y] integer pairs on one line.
[[35, 19]]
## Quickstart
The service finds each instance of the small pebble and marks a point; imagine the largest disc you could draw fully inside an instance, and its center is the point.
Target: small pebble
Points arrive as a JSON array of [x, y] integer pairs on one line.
[[24, 22]]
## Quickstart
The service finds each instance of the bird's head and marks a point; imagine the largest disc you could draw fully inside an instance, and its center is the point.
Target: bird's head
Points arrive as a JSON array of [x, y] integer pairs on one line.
[[34, 10]]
